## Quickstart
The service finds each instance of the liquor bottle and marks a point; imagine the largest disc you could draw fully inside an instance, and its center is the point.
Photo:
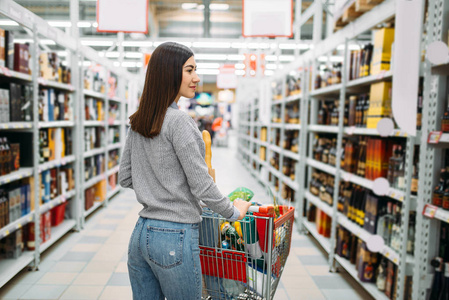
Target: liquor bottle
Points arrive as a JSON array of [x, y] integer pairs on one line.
[[381, 275], [318, 80], [326, 150], [437, 283], [445, 119], [361, 162], [333, 153], [365, 110], [318, 149], [358, 112], [419, 107], [352, 111], [444, 295], [438, 191], [322, 115], [399, 173], [411, 234], [7, 163]]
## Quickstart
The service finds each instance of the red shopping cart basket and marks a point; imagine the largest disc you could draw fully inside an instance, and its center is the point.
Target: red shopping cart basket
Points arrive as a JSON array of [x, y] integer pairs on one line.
[[246, 262]]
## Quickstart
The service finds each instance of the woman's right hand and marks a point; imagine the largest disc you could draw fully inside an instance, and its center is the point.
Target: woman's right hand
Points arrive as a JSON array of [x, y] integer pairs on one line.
[[242, 206]]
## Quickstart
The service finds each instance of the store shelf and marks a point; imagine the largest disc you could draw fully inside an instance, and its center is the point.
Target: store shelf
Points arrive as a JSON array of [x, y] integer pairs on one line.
[[290, 154], [276, 125], [58, 232], [55, 202], [56, 163], [433, 212], [322, 166], [17, 224], [94, 152], [323, 128], [16, 175], [113, 192], [16, 125], [55, 124], [276, 148], [372, 131], [368, 80], [93, 94], [244, 123], [114, 146], [56, 85], [93, 208], [115, 123], [113, 170], [333, 89], [293, 98], [326, 208], [289, 126], [324, 242], [114, 99], [11, 267], [369, 287], [5, 72], [346, 176], [94, 123], [94, 180]]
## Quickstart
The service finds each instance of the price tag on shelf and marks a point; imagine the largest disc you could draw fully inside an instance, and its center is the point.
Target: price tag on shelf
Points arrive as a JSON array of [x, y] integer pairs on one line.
[[350, 130], [430, 211], [381, 74], [6, 71], [387, 254], [6, 232], [71, 87], [6, 126], [434, 137], [30, 218], [7, 180], [395, 260], [19, 226], [347, 176]]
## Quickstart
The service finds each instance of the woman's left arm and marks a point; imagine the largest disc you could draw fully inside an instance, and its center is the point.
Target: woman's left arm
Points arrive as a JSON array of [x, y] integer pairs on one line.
[[124, 174]]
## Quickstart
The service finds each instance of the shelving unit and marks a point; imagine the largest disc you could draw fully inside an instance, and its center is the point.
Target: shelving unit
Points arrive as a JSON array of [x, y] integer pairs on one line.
[[38, 28], [308, 99]]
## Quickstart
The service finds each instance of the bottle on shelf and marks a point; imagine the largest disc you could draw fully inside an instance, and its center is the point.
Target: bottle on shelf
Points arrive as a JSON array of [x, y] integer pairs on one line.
[[438, 191], [437, 283], [445, 119], [444, 295], [382, 275]]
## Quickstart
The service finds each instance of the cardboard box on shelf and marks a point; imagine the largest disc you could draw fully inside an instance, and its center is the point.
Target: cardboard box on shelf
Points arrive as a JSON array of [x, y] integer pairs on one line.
[[380, 103], [383, 39]]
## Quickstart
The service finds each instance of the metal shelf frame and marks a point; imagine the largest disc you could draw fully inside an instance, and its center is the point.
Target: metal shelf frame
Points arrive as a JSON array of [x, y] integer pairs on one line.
[[309, 99], [38, 28]]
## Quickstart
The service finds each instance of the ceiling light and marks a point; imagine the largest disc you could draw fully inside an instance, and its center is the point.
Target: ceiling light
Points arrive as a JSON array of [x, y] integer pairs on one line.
[[133, 55], [286, 58], [95, 24], [211, 45], [23, 41], [350, 47], [139, 65], [86, 63], [62, 53], [47, 42], [207, 65], [208, 71], [116, 64], [8, 23], [268, 73], [219, 6], [137, 44], [129, 64], [97, 43], [84, 24], [211, 56], [287, 46], [271, 58], [271, 66], [240, 72], [239, 66], [113, 54], [60, 24], [200, 7], [189, 5], [236, 57]]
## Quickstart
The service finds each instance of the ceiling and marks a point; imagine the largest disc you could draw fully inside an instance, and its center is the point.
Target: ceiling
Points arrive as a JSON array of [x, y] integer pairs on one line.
[[168, 20]]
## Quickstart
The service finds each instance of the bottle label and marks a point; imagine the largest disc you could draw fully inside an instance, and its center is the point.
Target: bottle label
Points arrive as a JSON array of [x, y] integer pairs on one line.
[[414, 187], [437, 200], [445, 203], [446, 269]]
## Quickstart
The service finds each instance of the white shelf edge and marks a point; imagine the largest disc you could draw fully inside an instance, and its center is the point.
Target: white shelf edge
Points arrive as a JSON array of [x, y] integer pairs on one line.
[[56, 201], [17, 224], [115, 99], [113, 170], [321, 166], [94, 152], [326, 90], [94, 123], [16, 125], [16, 175], [93, 94], [57, 85], [323, 128], [319, 203], [114, 146], [57, 232], [369, 287], [5, 72], [11, 267], [113, 192], [323, 241], [93, 208], [56, 163], [94, 180], [56, 124]]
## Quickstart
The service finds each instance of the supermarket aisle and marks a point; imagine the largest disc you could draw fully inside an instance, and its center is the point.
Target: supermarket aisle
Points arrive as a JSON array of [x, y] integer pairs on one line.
[[92, 264]]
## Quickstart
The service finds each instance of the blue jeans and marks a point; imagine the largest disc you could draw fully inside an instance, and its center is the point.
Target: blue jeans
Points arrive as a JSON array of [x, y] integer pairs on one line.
[[164, 260]]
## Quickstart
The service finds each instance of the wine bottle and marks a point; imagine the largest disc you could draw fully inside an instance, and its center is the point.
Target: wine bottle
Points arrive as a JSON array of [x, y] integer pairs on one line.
[[438, 191], [444, 295], [437, 283]]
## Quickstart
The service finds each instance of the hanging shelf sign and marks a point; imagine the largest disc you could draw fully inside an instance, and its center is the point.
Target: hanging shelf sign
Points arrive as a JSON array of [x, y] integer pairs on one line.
[[267, 18], [122, 16]]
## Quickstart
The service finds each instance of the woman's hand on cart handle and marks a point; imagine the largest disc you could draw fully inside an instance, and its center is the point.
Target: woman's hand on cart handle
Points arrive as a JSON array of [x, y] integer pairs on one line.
[[242, 206]]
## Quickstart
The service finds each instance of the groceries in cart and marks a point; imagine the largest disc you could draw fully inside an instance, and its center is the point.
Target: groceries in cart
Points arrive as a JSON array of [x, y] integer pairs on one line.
[[245, 259]]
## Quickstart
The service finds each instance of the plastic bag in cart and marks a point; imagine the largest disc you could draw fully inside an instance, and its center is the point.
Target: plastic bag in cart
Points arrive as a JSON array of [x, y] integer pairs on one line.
[[257, 280]]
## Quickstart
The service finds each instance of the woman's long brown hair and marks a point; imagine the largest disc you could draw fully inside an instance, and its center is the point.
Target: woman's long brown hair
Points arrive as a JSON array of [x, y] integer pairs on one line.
[[162, 83]]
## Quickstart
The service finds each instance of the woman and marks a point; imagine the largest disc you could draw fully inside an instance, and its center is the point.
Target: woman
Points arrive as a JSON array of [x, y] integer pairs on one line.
[[163, 161]]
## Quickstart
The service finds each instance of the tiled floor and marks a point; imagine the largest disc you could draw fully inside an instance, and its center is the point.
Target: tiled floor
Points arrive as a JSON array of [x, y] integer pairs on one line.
[[91, 264]]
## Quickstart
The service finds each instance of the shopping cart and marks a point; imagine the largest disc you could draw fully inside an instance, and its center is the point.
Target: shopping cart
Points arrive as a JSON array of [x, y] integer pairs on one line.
[[244, 261]]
